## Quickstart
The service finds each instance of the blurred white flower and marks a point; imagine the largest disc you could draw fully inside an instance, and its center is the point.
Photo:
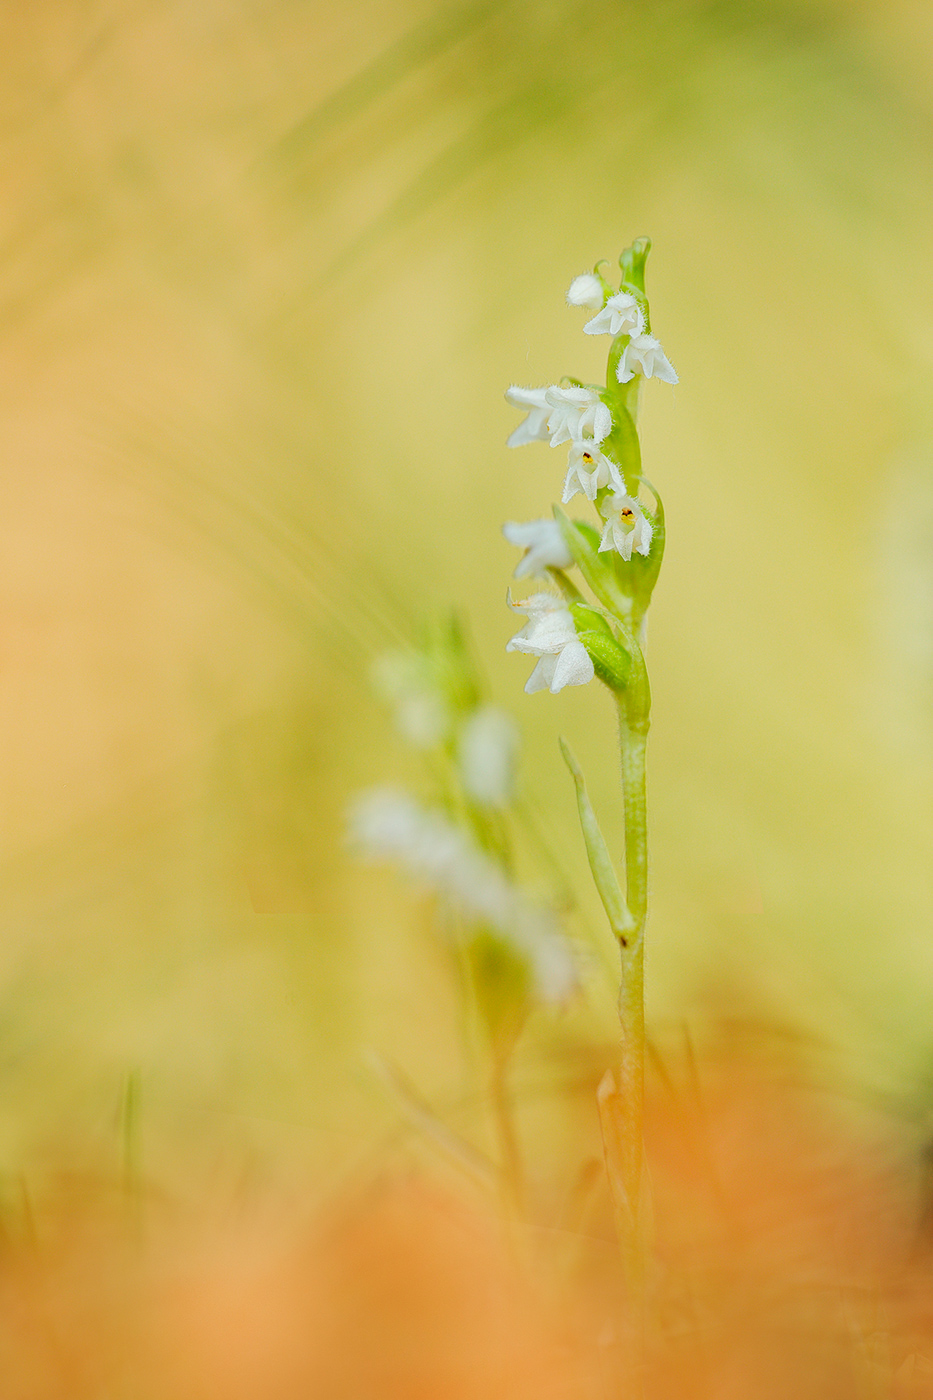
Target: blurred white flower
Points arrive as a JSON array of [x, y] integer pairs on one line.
[[550, 635], [533, 428], [586, 290], [543, 544], [620, 316], [627, 527], [588, 471], [643, 355], [387, 824], [487, 746], [420, 709], [576, 413]]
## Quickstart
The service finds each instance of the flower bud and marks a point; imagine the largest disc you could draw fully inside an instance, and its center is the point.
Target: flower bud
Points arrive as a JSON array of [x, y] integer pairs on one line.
[[632, 262]]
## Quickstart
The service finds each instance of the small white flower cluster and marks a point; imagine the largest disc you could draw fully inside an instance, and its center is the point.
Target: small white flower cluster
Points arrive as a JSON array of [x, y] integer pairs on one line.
[[387, 824], [580, 416], [622, 315]]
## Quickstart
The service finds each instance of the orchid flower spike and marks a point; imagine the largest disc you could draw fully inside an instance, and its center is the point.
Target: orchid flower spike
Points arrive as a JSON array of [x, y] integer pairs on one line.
[[576, 413], [586, 290], [589, 470], [643, 355], [627, 527], [550, 635], [621, 315], [543, 544]]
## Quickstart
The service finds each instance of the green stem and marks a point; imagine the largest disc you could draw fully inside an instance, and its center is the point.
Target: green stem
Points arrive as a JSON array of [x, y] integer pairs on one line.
[[622, 1100], [633, 742]]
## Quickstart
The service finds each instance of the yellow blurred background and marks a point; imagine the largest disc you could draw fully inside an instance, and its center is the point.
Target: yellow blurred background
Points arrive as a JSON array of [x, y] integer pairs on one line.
[[266, 272]]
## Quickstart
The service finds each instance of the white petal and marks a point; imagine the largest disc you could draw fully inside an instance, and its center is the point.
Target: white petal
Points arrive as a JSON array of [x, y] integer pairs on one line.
[[545, 633], [602, 422], [544, 545], [571, 485], [574, 667], [527, 431], [532, 428], [664, 370], [526, 398], [643, 532], [623, 540], [615, 477], [541, 676], [621, 315], [522, 533], [600, 324]]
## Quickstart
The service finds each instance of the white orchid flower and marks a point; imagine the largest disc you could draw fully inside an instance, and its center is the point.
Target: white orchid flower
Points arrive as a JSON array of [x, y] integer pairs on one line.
[[543, 544], [621, 315], [550, 635], [643, 355], [627, 527], [586, 290], [532, 428], [387, 824], [576, 413], [589, 470]]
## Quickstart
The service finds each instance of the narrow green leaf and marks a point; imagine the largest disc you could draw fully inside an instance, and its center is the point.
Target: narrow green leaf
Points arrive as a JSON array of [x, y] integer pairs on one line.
[[604, 875]]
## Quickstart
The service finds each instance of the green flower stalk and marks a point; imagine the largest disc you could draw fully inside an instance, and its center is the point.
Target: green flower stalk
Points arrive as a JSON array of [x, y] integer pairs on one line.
[[575, 640]]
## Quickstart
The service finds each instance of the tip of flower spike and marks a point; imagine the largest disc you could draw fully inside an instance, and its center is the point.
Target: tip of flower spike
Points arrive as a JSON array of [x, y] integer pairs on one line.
[[586, 290]]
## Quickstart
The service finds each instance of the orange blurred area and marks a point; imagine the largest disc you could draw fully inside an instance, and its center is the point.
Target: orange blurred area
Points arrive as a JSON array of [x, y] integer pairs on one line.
[[791, 1255]]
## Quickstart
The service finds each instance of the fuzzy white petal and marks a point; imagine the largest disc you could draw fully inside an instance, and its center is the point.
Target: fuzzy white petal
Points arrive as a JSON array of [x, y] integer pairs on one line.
[[544, 543], [586, 290], [602, 422], [576, 413], [542, 675], [620, 316], [644, 355], [532, 428], [574, 667]]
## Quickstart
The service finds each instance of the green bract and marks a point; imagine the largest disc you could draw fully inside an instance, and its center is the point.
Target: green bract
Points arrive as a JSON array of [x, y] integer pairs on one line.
[[611, 661]]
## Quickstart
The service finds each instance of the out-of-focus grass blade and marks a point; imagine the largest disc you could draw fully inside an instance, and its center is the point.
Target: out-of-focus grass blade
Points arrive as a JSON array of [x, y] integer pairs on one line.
[[414, 49]]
